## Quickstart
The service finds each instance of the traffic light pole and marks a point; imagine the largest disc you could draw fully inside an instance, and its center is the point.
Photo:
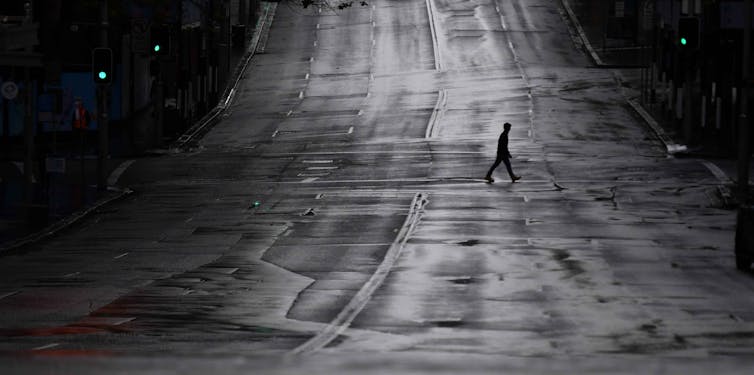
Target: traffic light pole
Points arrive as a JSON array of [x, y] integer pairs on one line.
[[744, 149], [689, 66], [102, 109], [28, 130]]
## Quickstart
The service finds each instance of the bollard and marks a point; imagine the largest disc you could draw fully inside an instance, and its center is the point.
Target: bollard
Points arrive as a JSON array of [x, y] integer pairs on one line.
[[718, 111]]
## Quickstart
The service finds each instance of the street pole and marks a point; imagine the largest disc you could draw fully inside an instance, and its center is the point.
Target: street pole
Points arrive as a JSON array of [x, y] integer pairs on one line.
[[6, 127], [743, 121], [688, 109], [28, 130], [102, 108]]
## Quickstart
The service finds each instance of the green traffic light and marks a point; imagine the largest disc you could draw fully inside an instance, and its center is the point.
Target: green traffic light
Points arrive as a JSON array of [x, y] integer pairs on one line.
[[157, 48], [683, 41], [102, 75]]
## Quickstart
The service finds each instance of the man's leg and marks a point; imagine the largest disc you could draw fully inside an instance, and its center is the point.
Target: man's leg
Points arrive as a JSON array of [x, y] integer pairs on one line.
[[507, 162], [497, 162]]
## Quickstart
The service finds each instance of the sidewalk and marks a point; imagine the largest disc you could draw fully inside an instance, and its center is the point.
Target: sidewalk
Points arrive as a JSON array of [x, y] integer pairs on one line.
[[57, 197], [588, 17], [73, 194]]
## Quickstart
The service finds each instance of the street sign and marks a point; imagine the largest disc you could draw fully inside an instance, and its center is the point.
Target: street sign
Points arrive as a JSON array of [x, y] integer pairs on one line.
[[9, 90]]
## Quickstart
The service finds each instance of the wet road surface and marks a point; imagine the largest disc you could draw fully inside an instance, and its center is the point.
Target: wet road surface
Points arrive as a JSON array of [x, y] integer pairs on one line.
[[336, 219]]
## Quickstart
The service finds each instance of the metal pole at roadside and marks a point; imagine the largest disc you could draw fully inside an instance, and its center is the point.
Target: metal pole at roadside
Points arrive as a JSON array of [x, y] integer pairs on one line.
[[744, 153], [28, 128], [102, 108]]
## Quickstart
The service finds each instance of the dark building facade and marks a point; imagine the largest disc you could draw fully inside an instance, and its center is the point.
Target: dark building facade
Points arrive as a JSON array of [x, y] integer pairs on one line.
[[46, 56]]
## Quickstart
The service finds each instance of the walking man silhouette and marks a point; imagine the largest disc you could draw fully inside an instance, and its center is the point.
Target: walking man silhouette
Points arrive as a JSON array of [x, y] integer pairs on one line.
[[503, 155]]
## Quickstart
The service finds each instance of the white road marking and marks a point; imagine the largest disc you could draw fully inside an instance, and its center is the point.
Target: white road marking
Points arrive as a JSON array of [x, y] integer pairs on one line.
[[98, 321], [719, 174], [315, 43], [48, 346], [320, 161], [307, 76], [275, 133], [300, 94], [120, 256], [284, 154], [521, 70], [72, 274], [317, 26], [437, 113], [115, 176], [350, 130], [526, 199], [433, 31], [343, 320], [310, 179], [320, 168], [6, 295], [319, 196]]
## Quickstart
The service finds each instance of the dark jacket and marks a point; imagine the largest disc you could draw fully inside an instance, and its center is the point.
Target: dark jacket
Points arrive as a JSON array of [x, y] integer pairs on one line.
[[502, 146]]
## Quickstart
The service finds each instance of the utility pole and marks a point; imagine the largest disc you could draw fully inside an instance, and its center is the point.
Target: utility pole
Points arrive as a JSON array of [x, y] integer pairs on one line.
[[744, 153], [102, 108]]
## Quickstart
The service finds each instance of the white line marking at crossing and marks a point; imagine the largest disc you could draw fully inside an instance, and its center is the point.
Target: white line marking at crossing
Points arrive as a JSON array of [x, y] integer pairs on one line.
[[48, 346], [343, 320]]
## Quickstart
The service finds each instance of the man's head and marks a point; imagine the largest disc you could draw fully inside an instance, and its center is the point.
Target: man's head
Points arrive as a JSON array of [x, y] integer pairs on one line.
[[77, 102], [507, 126]]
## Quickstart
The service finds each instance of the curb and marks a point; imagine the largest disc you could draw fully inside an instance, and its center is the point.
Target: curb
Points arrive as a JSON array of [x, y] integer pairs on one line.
[[671, 147], [65, 223], [575, 21], [204, 124]]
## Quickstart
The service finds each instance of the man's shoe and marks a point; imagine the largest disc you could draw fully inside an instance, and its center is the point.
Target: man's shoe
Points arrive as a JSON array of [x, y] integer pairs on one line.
[[515, 178], [489, 179]]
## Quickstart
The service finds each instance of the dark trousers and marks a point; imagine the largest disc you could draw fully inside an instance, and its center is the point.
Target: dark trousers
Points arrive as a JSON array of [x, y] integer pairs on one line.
[[507, 166]]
